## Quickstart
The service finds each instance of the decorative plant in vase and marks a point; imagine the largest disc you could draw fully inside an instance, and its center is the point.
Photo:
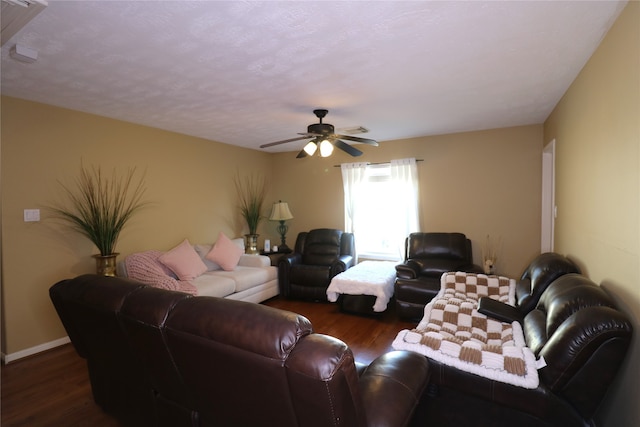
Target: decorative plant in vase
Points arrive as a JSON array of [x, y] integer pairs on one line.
[[489, 255], [251, 193], [99, 208]]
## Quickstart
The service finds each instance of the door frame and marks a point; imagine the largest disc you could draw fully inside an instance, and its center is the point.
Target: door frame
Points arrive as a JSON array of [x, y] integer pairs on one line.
[[549, 208]]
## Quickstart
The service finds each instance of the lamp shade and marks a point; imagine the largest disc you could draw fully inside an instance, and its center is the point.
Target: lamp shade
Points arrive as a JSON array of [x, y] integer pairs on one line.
[[280, 212]]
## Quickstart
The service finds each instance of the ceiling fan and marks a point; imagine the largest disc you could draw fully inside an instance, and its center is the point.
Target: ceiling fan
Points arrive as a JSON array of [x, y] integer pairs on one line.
[[323, 137]]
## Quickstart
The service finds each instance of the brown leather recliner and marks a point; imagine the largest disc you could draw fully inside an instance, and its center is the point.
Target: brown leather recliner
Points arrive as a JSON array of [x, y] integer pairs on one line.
[[583, 339], [164, 358], [319, 255], [427, 257]]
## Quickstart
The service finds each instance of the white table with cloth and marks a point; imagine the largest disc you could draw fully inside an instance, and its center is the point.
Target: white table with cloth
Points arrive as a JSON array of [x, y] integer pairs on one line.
[[374, 278]]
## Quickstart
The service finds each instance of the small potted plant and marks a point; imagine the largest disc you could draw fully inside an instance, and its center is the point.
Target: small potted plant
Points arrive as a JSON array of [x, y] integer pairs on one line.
[[251, 194], [99, 207], [489, 255]]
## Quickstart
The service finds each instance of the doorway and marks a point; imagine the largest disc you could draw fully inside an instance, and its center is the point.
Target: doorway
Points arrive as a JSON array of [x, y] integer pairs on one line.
[[549, 209]]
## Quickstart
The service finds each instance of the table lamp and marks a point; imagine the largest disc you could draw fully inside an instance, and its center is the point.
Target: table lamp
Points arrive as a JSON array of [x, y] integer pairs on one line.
[[280, 212]]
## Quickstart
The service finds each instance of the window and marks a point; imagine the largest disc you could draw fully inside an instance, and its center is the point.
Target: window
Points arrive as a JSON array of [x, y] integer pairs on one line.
[[381, 206]]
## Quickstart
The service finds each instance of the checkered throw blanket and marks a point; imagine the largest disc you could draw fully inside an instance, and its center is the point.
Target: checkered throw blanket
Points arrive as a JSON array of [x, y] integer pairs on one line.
[[455, 334]]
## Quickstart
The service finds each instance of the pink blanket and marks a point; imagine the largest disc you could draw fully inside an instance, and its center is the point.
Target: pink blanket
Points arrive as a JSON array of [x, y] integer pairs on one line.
[[145, 267]]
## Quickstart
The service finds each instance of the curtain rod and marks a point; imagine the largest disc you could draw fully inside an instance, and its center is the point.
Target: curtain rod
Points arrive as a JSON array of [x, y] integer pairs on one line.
[[379, 163]]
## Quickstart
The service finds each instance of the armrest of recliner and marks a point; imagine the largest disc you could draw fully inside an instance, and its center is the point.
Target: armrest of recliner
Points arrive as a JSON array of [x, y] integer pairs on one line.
[[391, 387], [408, 270], [499, 310], [342, 264], [285, 262], [348, 261], [289, 260]]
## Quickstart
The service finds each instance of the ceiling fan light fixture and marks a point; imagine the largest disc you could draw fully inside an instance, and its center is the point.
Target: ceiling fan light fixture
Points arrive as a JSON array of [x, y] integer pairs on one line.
[[323, 136], [326, 148], [310, 148]]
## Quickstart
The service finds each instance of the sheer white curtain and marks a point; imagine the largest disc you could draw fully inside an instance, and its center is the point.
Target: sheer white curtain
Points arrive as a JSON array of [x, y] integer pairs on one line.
[[353, 176], [404, 175]]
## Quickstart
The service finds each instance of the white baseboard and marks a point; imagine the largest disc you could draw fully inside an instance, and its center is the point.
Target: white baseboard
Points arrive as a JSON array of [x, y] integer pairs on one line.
[[12, 357]]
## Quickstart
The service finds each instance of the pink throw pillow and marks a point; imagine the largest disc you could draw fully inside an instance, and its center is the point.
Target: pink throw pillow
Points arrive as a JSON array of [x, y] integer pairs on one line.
[[184, 261], [225, 253]]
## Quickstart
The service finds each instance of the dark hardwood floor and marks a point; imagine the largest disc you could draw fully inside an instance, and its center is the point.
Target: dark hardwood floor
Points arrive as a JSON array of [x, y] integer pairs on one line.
[[51, 389]]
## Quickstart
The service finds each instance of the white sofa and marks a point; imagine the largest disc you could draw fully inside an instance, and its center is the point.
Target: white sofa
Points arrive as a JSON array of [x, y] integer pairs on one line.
[[252, 280]]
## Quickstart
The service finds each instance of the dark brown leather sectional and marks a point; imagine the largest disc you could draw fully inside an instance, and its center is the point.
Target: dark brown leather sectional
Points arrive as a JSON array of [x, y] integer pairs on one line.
[[574, 326], [164, 358]]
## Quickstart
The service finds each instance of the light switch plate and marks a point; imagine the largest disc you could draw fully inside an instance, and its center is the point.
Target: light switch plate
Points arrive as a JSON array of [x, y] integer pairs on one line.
[[31, 215]]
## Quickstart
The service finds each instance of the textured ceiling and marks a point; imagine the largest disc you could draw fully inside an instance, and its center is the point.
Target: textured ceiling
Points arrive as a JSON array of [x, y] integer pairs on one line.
[[251, 72]]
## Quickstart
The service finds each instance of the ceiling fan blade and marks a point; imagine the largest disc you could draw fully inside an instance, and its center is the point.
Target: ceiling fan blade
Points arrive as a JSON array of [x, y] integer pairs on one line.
[[357, 139], [271, 144], [347, 148], [301, 154]]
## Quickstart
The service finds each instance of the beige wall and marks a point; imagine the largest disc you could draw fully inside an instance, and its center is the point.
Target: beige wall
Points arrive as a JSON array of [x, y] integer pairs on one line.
[[189, 184], [477, 183], [597, 130]]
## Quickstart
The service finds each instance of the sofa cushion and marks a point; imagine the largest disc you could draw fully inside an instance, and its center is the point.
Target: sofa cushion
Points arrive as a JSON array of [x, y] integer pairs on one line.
[[225, 253], [321, 247], [538, 275], [210, 284], [183, 261], [257, 261], [247, 277], [439, 245], [311, 275]]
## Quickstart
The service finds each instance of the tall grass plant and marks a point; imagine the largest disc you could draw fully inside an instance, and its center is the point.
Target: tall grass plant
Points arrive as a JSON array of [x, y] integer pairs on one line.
[[100, 206], [251, 194]]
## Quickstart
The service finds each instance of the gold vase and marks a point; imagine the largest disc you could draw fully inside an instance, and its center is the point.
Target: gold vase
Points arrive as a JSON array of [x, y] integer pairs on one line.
[[106, 264], [251, 244]]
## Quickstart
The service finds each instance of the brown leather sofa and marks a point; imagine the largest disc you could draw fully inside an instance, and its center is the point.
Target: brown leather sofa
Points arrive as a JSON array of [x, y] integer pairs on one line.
[[583, 339], [318, 256], [427, 257], [164, 358]]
